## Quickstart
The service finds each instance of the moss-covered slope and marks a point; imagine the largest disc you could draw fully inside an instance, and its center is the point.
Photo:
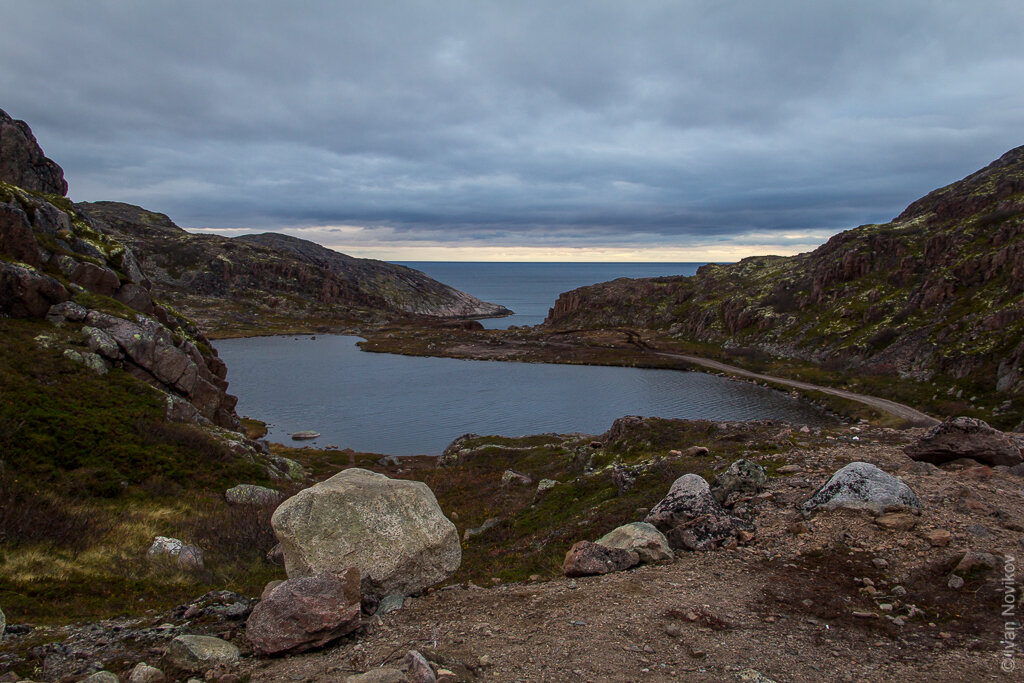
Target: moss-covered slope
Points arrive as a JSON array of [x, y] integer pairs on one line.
[[937, 291]]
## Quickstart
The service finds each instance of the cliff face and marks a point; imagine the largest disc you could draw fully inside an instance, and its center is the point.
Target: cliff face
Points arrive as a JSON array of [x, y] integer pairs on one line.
[[56, 264], [940, 289], [219, 280]]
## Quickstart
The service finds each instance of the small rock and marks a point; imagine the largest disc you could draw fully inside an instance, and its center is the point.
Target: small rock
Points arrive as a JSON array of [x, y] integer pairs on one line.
[[476, 531], [673, 631], [484, 661], [975, 563], [418, 668], [938, 538], [753, 676], [512, 478], [790, 469], [164, 546], [897, 521], [544, 486], [101, 677], [880, 563], [144, 673], [251, 494], [392, 602], [955, 582], [742, 477], [381, 675], [196, 654], [590, 559], [190, 558], [642, 538], [305, 435]]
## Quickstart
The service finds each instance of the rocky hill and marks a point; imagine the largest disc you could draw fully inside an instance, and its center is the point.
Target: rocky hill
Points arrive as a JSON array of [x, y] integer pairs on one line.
[[270, 282], [936, 293]]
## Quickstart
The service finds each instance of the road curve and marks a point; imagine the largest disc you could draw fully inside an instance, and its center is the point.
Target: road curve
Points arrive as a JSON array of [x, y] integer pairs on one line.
[[914, 417]]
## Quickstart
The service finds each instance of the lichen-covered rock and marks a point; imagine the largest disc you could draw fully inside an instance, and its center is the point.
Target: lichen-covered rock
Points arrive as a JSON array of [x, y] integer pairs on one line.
[[305, 612], [27, 293], [392, 530], [165, 546], [196, 654], [643, 539], [861, 485], [692, 519], [741, 478], [965, 437], [512, 478], [102, 677], [251, 494], [590, 559]]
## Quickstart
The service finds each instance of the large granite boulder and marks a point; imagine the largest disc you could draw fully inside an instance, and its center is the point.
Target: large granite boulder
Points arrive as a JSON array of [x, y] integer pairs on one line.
[[642, 538], [692, 519], [965, 437], [590, 559], [392, 530], [305, 612], [23, 163], [861, 485]]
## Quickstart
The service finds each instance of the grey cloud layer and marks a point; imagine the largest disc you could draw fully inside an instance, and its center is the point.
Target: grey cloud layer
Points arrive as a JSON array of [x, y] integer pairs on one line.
[[510, 121]]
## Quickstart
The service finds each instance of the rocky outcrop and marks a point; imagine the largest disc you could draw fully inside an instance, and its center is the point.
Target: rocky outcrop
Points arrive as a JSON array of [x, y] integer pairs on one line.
[[22, 161], [391, 530], [644, 539], [965, 437], [692, 519], [591, 559], [936, 292], [861, 485], [274, 276], [305, 612]]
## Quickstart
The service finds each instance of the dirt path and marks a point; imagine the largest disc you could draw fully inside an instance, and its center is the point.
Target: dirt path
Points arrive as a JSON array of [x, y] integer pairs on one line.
[[914, 417]]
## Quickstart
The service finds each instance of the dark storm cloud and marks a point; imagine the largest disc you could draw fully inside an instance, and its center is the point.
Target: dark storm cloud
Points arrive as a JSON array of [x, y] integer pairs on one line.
[[518, 122]]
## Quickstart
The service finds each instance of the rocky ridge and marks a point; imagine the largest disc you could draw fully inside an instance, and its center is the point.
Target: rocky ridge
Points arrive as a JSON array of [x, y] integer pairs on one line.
[[937, 291], [241, 283]]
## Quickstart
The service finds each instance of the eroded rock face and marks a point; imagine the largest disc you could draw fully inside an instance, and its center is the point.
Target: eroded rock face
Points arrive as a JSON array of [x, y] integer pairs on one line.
[[692, 519], [591, 559], [861, 485], [965, 437], [305, 612], [642, 538], [391, 530], [23, 163]]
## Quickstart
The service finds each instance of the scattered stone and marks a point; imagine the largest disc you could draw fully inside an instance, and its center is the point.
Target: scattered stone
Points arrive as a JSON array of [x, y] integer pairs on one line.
[[742, 477], [973, 563], [897, 521], [476, 531], [790, 469], [381, 675], [305, 612], [861, 485], [545, 485], [144, 673], [251, 494], [418, 669], [589, 559], [102, 677], [190, 558], [921, 468], [673, 630], [643, 539], [939, 538], [691, 518], [965, 437], [165, 546], [511, 478], [195, 654], [753, 676], [695, 452], [955, 582], [391, 530], [392, 602], [305, 435], [880, 563]]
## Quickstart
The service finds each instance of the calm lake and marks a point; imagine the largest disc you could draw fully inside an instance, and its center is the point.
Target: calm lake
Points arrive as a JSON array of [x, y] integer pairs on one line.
[[404, 405]]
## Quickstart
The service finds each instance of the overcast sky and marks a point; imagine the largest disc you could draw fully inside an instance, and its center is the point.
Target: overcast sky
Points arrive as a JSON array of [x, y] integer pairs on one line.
[[516, 130]]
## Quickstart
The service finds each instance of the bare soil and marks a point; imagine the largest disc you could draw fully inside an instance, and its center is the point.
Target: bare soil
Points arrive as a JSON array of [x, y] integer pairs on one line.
[[836, 597]]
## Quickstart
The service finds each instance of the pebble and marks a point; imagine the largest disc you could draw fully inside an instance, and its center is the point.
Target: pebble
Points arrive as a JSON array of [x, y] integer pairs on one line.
[[955, 582]]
